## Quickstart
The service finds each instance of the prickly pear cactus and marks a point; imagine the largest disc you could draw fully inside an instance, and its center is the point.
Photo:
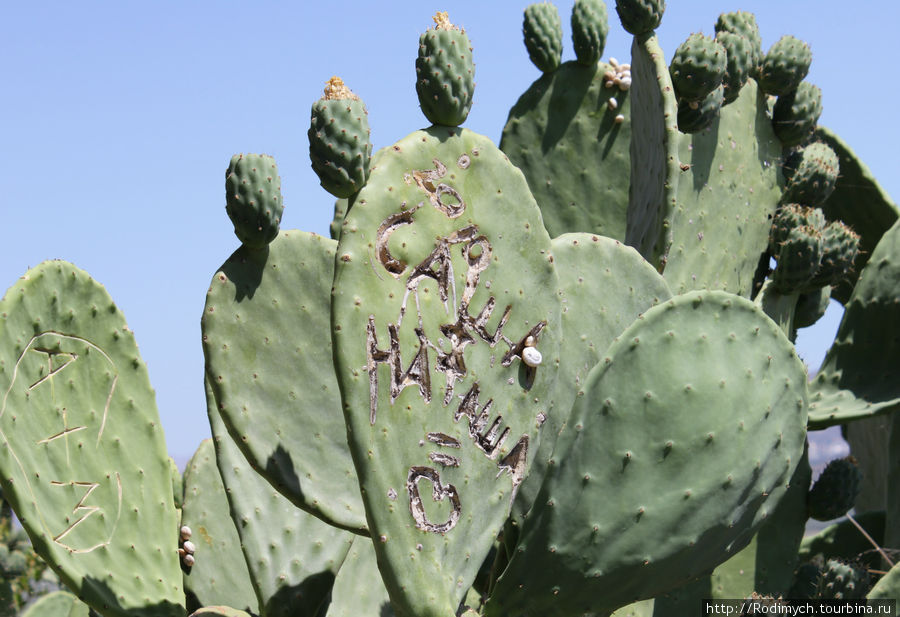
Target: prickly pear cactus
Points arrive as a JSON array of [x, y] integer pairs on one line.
[[600, 533], [339, 144], [292, 557], [856, 378], [218, 574], [253, 198], [682, 215], [445, 73], [436, 299], [83, 461], [834, 493], [569, 133], [57, 604], [283, 427]]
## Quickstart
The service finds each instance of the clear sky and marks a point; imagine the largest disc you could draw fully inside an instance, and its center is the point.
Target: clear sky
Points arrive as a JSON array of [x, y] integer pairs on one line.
[[119, 119]]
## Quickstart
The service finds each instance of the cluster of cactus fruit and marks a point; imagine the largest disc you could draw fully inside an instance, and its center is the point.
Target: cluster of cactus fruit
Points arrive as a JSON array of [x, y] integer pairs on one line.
[[551, 378]]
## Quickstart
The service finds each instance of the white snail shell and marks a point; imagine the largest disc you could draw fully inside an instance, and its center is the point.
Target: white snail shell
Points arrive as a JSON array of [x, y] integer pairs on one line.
[[189, 547], [185, 533], [531, 356], [188, 560]]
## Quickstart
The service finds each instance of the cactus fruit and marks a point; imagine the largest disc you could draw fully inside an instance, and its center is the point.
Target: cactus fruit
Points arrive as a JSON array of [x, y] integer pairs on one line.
[[590, 25], [445, 73], [811, 307], [542, 29], [743, 24], [785, 66], [834, 493], [339, 143], [698, 67], [796, 113], [739, 62], [840, 248], [799, 256], [253, 198], [842, 581], [694, 116], [789, 217], [640, 16], [810, 174]]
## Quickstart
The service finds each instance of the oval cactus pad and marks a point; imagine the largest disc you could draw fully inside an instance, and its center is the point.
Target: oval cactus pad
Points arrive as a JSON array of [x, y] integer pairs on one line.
[[644, 492], [444, 277], [268, 355], [83, 457]]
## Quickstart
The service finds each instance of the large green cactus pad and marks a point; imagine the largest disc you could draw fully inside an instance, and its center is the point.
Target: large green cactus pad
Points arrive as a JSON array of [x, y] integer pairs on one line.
[[57, 604], [654, 150], [728, 188], [646, 490], [589, 267], [562, 133], [83, 461], [858, 377], [358, 590], [292, 556], [765, 566], [268, 353], [219, 574], [443, 271], [860, 202]]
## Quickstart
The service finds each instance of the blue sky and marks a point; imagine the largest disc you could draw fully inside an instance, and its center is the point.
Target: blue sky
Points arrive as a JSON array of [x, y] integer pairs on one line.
[[118, 120]]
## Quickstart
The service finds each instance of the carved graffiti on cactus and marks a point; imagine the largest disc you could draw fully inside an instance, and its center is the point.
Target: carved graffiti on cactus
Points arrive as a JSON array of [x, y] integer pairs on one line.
[[46, 374], [445, 344], [439, 492]]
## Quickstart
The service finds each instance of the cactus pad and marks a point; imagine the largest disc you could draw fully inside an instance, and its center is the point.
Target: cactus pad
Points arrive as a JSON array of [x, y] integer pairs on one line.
[[57, 604], [267, 310], [857, 378], [785, 66], [542, 30], [444, 271], [253, 198], [588, 266], [358, 590], [339, 144], [564, 135], [445, 73], [83, 462], [292, 556], [219, 574], [647, 450], [856, 185]]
